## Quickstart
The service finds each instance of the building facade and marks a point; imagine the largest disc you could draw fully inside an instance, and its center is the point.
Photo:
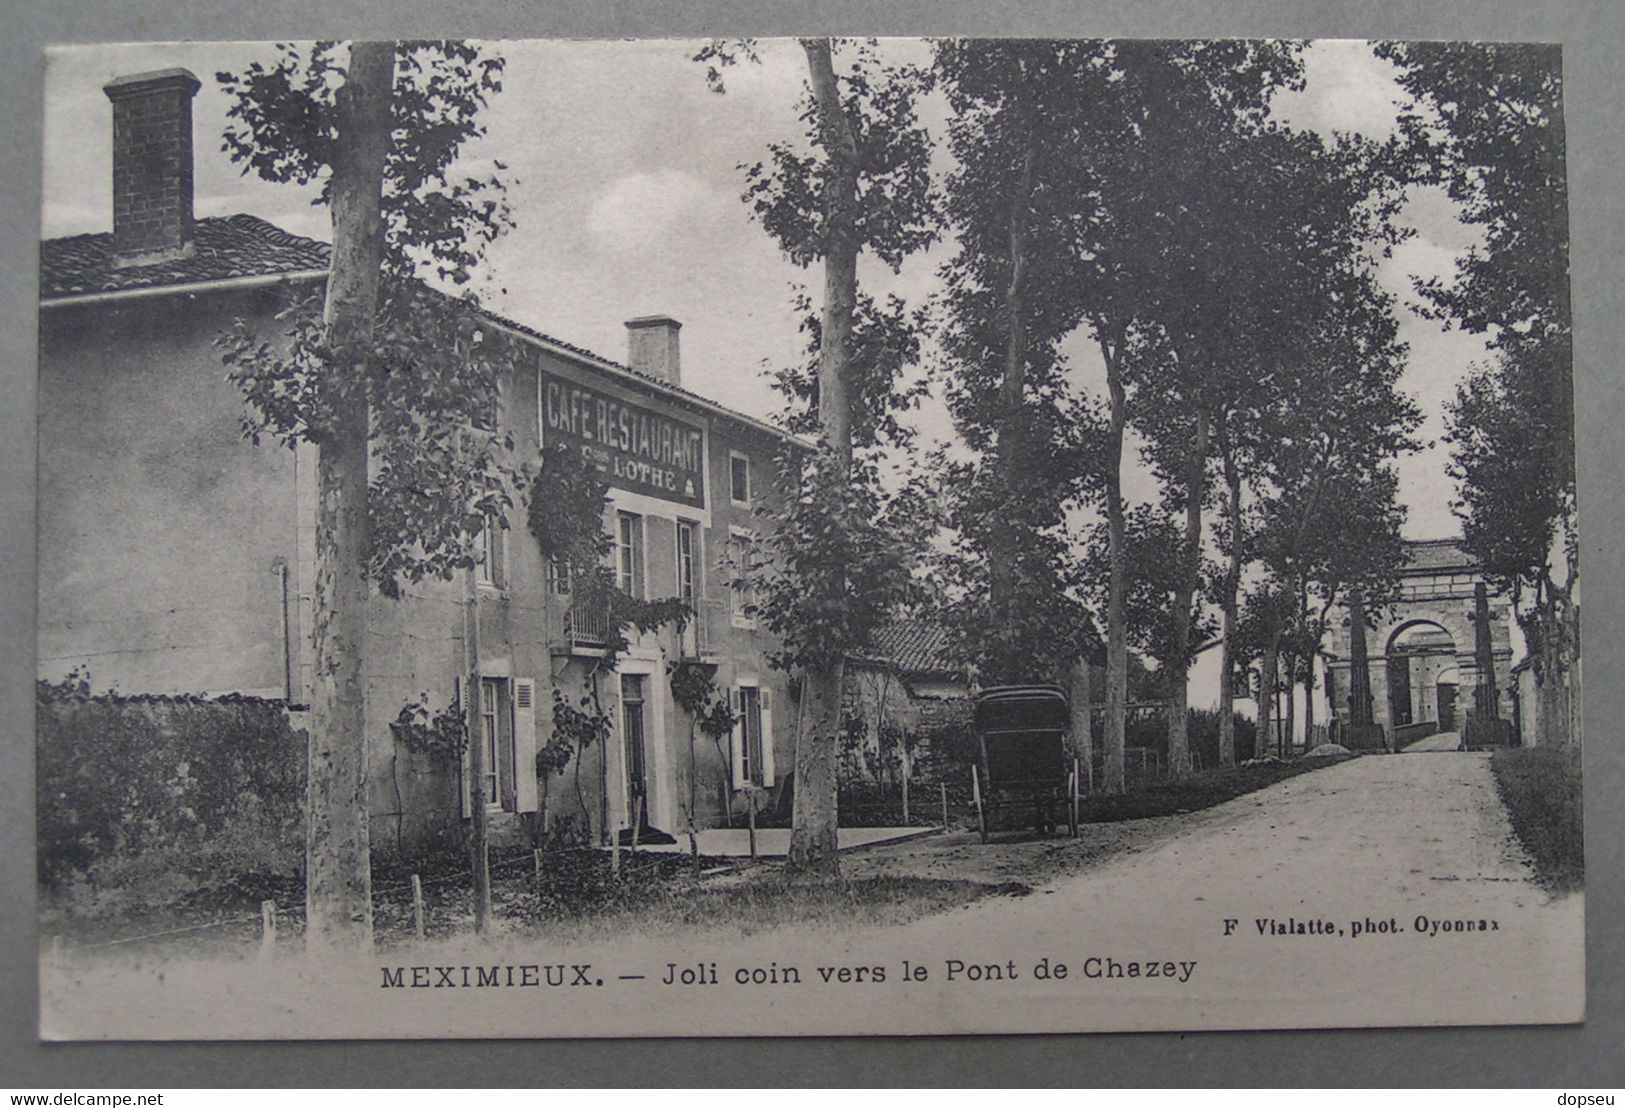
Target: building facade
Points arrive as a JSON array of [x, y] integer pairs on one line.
[[177, 557], [1421, 648]]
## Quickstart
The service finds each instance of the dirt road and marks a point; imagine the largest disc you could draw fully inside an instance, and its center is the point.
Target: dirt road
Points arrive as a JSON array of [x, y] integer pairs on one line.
[[1443, 741], [1387, 890]]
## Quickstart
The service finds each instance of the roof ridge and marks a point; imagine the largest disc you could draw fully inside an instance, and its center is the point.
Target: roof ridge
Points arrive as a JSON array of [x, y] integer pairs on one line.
[[282, 236], [243, 244]]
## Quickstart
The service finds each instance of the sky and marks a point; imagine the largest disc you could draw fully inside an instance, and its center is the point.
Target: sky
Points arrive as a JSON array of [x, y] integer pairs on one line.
[[625, 180]]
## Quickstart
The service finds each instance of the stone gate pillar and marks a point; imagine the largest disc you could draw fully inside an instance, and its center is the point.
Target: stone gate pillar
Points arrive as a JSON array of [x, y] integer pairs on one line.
[[1486, 705]]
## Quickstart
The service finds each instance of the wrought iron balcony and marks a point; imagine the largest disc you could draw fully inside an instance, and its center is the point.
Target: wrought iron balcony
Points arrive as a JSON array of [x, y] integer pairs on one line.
[[583, 627]]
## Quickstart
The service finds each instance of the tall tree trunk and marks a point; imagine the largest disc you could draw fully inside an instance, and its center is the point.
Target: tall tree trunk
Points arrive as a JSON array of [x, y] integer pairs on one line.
[[1116, 624], [813, 842], [1309, 707], [1569, 657], [1232, 592], [1359, 664], [1179, 754], [1082, 729], [338, 872], [1010, 444], [1554, 707], [1268, 683], [1486, 701], [1289, 733]]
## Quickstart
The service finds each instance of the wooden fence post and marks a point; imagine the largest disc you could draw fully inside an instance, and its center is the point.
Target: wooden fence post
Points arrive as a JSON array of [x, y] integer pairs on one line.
[[1075, 785], [267, 929], [943, 785], [538, 859], [976, 797], [417, 906], [750, 797]]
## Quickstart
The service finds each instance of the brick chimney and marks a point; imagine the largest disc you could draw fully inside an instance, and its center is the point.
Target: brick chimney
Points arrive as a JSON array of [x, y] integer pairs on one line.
[[152, 166], [651, 347]]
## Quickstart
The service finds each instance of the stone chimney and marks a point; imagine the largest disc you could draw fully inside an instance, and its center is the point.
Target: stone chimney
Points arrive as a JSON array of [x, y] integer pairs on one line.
[[152, 166], [651, 347]]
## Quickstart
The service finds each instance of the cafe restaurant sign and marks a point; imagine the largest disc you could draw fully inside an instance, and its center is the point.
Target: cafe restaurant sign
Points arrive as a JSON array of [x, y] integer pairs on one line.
[[634, 448]]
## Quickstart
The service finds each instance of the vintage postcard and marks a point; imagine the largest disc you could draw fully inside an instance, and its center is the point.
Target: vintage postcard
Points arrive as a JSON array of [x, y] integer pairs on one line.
[[805, 537]]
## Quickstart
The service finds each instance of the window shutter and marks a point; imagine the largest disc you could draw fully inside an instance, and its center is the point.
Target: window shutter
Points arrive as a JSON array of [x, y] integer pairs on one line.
[[767, 735], [739, 739], [524, 745], [466, 785], [638, 540]]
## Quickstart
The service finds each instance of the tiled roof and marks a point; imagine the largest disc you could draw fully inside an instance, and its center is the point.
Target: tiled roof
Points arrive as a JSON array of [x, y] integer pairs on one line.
[[1434, 555], [914, 646], [226, 248], [239, 246]]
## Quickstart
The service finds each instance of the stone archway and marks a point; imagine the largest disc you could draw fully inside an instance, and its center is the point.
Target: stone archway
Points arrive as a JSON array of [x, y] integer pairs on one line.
[[1437, 591], [1414, 655]]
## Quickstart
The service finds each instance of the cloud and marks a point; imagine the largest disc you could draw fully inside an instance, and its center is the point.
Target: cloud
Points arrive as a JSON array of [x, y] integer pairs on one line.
[[640, 208], [1348, 89]]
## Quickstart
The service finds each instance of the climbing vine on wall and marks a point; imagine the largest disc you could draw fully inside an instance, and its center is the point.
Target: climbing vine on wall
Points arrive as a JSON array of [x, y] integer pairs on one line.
[[441, 737]]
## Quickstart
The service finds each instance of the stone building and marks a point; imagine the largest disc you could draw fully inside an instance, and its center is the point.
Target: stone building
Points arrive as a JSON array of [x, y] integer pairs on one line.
[[1421, 648], [177, 557]]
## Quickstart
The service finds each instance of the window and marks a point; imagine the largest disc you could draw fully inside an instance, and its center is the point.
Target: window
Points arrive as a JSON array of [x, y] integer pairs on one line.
[[750, 748], [558, 577], [687, 540], [752, 735], [738, 478], [739, 560], [489, 550], [496, 738], [629, 554]]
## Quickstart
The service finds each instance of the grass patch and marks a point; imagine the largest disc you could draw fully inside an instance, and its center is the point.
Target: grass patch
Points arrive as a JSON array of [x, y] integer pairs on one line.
[[1540, 786], [762, 902], [1201, 790]]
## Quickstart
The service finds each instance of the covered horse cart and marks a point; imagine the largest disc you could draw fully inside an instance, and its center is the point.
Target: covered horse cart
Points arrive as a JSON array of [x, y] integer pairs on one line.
[[1023, 761]]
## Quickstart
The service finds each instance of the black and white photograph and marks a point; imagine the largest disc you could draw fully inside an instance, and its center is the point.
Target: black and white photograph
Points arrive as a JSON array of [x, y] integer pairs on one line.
[[831, 536]]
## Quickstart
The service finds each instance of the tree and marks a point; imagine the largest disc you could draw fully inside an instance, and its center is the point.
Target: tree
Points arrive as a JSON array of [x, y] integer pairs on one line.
[[1011, 296], [1486, 122], [1212, 323], [1166, 104], [391, 379], [829, 570], [1277, 311], [1154, 576], [1326, 521]]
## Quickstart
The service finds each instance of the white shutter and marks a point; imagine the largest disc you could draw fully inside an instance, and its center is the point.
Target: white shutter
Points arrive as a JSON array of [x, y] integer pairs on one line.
[[767, 734], [524, 745], [464, 784], [739, 739]]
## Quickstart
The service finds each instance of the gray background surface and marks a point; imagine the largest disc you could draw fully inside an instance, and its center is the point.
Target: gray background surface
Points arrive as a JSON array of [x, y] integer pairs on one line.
[[1572, 1058]]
